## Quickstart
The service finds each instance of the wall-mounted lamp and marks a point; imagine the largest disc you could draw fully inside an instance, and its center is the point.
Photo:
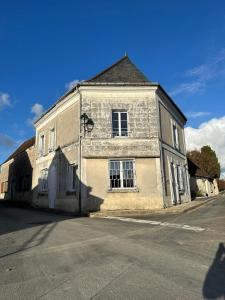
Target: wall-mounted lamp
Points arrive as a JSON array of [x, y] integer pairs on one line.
[[87, 122]]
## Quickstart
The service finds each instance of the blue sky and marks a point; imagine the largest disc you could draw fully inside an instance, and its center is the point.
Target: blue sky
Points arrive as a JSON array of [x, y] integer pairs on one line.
[[44, 45]]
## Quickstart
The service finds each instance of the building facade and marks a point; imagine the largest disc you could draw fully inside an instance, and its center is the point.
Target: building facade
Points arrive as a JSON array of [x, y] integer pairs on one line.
[[16, 174], [115, 141], [201, 184]]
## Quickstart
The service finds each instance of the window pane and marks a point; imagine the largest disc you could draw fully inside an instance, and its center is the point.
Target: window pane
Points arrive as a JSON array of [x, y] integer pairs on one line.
[[119, 123], [123, 116], [128, 176], [115, 116], [115, 123], [115, 181]]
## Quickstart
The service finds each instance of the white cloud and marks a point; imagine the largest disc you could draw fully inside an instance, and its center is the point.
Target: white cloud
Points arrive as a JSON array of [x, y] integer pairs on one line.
[[71, 84], [202, 75], [4, 100], [197, 114], [191, 88], [210, 133], [37, 110]]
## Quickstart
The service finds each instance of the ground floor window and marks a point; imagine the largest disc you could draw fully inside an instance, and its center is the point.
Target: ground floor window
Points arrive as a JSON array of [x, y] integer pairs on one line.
[[121, 174], [43, 181], [180, 177], [71, 178]]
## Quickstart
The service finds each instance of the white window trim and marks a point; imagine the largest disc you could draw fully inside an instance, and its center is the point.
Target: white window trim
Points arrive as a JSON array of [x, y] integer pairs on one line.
[[181, 179], [119, 123], [52, 148], [41, 186], [41, 151], [175, 138], [121, 174]]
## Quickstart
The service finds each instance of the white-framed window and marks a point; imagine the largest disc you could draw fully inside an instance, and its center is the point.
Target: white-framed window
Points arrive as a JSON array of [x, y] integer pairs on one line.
[[175, 136], [119, 123], [43, 181], [71, 178], [52, 139], [41, 145], [121, 174], [180, 178]]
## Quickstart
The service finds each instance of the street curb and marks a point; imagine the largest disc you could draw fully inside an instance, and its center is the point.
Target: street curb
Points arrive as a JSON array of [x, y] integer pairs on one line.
[[150, 212], [199, 205]]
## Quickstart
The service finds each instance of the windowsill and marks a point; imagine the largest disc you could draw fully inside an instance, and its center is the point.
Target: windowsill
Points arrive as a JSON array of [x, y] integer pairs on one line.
[[120, 137], [123, 190]]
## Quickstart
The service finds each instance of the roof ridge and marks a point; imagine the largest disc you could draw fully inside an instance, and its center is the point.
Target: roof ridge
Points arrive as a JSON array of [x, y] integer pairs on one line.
[[198, 165], [30, 142], [108, 68]]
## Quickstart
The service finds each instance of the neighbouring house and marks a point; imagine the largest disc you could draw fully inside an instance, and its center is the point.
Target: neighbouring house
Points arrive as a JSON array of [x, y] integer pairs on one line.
[[201, 184], [16, 174], [115, 141]]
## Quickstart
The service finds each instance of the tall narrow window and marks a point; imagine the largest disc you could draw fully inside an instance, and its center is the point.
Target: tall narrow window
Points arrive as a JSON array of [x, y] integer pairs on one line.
[[43, 181], [41, 144], [52, 140], [175, 136], [71, 178], [180, 179], [119, 123], [121, 174]]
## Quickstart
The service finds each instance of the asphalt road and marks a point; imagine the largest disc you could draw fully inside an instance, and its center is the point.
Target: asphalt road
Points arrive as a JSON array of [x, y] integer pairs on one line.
[[51, 256]]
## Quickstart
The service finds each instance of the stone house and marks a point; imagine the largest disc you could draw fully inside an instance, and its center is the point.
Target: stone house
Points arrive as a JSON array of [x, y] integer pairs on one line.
[[16, 173], [115, 141], [201, 184]]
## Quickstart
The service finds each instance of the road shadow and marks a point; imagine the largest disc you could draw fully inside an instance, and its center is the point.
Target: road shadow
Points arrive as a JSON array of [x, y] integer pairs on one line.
[[214, 284], [14, 218]]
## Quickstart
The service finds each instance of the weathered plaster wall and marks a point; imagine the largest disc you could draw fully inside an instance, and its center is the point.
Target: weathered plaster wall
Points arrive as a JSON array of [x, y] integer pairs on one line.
[[147, 195], [166, 129], [178, 160], [204, 186], [66, 121], [140, 104], [4, 177]]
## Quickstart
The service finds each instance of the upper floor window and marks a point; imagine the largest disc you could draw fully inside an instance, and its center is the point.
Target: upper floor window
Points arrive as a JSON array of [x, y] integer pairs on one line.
[[52, 139], [119, 123], [121, 174], [175, 136], [41, 146]]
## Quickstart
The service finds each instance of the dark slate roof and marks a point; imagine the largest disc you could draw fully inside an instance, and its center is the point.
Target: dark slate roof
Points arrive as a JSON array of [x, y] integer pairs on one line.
[[195, 170], [24, 146], [123, 71]]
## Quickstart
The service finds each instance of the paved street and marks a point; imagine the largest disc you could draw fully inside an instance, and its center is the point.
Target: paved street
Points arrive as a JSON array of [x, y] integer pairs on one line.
[[51, 256]]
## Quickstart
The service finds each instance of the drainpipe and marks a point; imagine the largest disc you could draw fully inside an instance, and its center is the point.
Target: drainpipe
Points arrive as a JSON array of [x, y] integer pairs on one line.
[[80, 155]]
